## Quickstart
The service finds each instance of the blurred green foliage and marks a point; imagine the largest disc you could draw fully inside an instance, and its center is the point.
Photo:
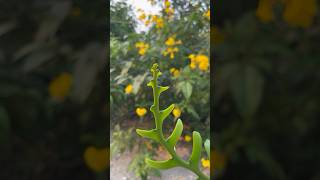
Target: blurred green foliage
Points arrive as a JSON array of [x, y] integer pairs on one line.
[[46, 121], [266, 84]]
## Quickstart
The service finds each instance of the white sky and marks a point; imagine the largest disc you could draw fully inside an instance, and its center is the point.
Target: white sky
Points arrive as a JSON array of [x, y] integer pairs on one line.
[[144, 5]]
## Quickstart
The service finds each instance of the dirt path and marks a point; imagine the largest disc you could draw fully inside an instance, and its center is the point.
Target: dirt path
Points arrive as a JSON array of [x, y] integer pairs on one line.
[[119, 170]]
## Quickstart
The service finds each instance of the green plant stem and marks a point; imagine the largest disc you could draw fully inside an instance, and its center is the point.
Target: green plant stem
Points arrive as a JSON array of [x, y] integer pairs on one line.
[[182, 162], [163, 142]]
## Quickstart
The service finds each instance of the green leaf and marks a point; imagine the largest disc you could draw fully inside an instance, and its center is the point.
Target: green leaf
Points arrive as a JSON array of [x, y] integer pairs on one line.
[[246, 85], [151, 83], [196, 149], [162, 164], [152, 134], [186, 89], [207, 147], [166, 112], [192, 111], [161, 88], [174, 137]]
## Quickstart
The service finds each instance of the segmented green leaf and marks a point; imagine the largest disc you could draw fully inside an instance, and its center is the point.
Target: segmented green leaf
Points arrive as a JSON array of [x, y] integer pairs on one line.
[[161, 88], [166, 112], [151, 83], [161, 164], [152, 134], [207, 147], [173, 138], [196, 149]]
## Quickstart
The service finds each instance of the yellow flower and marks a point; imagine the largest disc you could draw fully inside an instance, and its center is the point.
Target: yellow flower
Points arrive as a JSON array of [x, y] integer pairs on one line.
[[265, 10], [203, 62], [193, 65], [202, 58], [204, 66], [141, 111], [167, 3], [192, 57], [171, 41], [168, 10], [143, 47], [176, 112], [60, 86], [159, 23], [171, 51], [142, 16], [205, 163], [147, 22], [207, 14], [187, 138], [175, 72], [96, 159], [172, 70], [76, 11], [154, 18], [128, 89], [300, 13]]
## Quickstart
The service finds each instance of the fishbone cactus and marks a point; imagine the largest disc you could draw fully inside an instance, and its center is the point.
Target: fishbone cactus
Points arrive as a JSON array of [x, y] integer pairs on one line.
[[169, 143]]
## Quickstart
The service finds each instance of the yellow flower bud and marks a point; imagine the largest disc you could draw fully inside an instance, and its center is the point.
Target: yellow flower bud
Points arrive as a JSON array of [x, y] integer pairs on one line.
[[129, 89], [187, 138], [265, 10], [205, 163], [207, 14], [141, 111], [176, 112], [60, 86], [96, 159]]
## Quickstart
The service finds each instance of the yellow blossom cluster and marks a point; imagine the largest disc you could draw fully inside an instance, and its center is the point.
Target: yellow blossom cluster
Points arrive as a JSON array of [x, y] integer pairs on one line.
[[142, 16], [143, 47], [158, 21], [296, 13], [171, 47], [201, 61], [148, 19], [168, 9], [265, 10], [207, 14], [60, 86], [175, 72], [300, 13]]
